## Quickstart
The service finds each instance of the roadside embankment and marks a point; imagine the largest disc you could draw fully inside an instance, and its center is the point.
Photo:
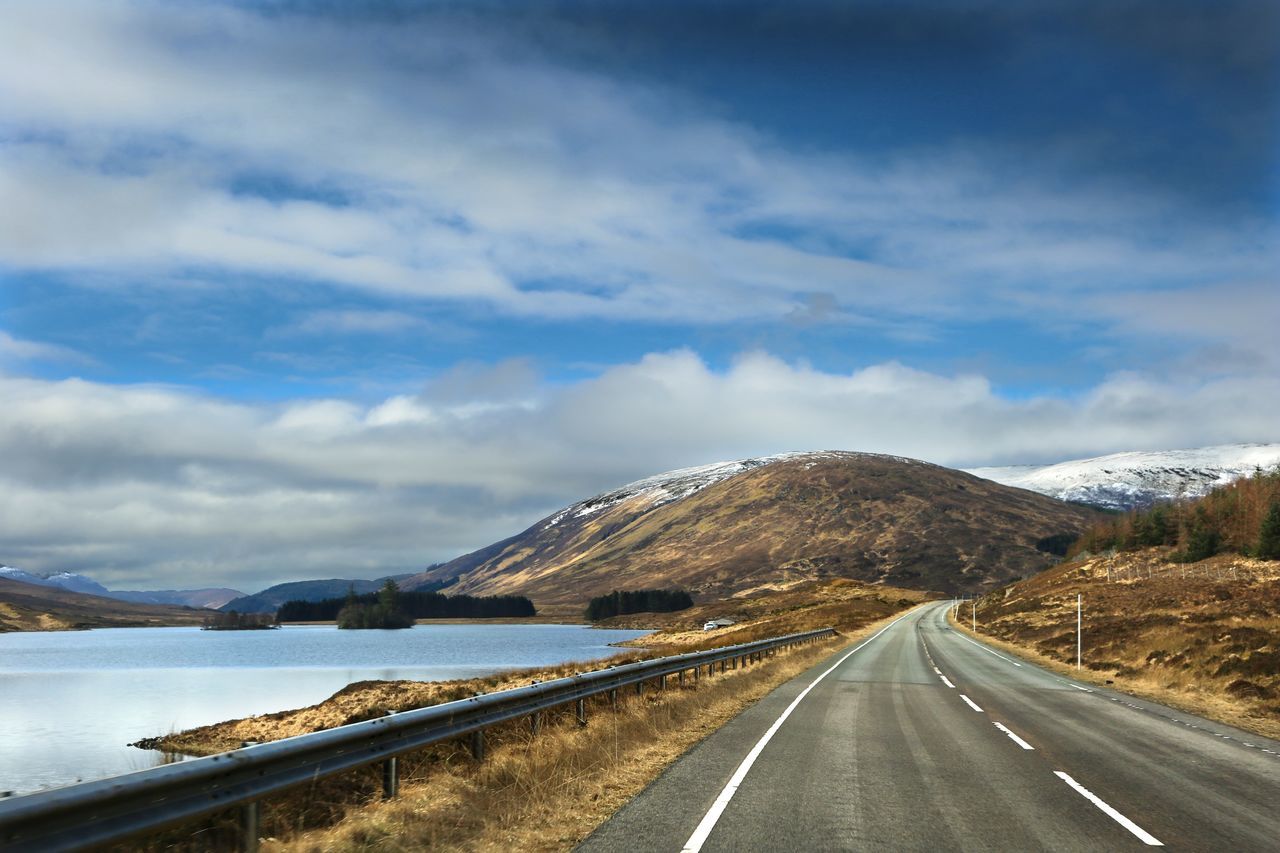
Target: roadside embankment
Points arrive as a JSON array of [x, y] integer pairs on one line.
[[1204, 637]]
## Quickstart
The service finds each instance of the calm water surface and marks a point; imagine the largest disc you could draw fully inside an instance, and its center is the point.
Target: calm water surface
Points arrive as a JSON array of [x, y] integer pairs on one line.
[[71, 702]]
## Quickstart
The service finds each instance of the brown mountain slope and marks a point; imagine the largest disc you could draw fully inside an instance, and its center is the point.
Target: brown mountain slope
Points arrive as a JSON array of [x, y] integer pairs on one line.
[[789, 519], [27, 607]]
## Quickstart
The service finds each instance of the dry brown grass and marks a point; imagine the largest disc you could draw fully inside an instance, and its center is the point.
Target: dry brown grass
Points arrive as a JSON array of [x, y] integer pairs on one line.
[[548, 792], [1203, 637]]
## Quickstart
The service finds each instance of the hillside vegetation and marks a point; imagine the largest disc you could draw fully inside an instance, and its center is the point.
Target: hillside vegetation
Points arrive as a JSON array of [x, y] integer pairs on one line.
[[1173, 610], [803, 518], [1242, 518]]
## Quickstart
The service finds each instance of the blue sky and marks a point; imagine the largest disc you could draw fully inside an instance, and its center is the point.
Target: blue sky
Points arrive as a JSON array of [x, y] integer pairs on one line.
[[441, 267]]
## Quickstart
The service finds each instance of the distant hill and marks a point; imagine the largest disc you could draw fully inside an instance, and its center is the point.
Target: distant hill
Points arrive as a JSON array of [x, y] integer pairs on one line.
[[212, 598], [736, 526], [40, 607], [270, 599], [209, 598], [1139, 479]]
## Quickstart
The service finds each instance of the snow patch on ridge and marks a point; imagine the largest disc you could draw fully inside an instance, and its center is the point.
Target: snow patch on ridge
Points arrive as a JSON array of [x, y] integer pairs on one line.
[[677, 485]]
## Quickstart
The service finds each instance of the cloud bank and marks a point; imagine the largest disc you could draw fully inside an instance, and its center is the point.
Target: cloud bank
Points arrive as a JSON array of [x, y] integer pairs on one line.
[[167, 487]]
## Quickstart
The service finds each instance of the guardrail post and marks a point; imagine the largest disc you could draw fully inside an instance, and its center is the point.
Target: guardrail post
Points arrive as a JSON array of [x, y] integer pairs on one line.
[[582, 712], [695, 672], [390, 778], [680, 678], [477, 744], [639, 688], [613, 698], [535, 722], [249, 824], [662, 682]]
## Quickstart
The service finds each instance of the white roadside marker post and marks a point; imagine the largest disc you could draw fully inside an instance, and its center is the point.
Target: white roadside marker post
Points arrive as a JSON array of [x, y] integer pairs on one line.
[[1079, 599]]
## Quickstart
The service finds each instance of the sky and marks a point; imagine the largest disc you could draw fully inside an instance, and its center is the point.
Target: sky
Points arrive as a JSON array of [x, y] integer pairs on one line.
[[342, 289]]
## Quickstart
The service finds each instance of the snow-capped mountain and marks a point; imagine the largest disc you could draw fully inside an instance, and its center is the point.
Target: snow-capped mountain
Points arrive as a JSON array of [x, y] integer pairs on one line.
[[61, 580], [732, 526], [1140, 478]]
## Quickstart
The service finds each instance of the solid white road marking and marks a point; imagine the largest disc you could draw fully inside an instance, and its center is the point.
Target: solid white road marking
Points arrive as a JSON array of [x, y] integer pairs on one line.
[[1144, 836], [970, 703], [1019, 741], [987, 650], [1078, 687], [709, 820], [946, 681]]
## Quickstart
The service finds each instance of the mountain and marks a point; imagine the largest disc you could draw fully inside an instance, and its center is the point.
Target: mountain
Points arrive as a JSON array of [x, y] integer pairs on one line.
[[45, 607], [1138, 479], [738, 526], [211, 598], [60, 580], [270, 599]]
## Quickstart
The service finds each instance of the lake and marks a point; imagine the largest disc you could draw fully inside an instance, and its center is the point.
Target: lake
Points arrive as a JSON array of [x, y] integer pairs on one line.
[[71, 702]]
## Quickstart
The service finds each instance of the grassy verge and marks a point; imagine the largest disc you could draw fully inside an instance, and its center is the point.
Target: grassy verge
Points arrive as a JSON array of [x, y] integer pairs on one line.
[[543, 792], [1204, 639], [549, 791]]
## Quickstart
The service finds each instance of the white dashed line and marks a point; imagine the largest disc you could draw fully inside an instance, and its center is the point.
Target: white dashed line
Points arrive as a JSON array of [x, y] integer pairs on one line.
[[970, 703], [1144, 836], [712, 816], [1078, 687], [946, 681], [1019, 741]]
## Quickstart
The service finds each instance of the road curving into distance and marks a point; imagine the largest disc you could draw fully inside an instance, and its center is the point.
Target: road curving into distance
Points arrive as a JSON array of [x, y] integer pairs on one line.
[[921, 738]]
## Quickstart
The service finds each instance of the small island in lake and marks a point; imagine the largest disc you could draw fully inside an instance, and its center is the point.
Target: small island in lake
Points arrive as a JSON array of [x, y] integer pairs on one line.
[[234, 621], [383, 612], [389, 606]]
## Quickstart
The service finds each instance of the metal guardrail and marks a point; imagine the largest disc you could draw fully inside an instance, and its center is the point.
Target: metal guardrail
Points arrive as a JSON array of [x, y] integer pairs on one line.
[[109, 810]]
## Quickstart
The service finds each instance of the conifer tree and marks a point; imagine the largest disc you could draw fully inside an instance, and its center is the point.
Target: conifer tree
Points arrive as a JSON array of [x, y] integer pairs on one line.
[[1269, 534]]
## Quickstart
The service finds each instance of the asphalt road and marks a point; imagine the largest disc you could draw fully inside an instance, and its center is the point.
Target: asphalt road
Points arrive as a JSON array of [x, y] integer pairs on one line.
[[922, 739]]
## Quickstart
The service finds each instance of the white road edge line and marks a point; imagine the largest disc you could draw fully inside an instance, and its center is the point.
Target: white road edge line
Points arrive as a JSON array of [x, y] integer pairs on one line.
[[970, 703], [946, 681], [1019, 741], [1144, 836], [985, 649], [709, 820]]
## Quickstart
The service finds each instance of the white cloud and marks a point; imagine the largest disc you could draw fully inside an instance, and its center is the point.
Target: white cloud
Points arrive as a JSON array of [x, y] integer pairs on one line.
[[161, 486], [449, 162]]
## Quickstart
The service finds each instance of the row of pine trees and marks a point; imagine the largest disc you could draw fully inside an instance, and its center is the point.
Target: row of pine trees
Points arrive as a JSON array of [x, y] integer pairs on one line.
[[1242, 518], [390, 607], [622, 602]]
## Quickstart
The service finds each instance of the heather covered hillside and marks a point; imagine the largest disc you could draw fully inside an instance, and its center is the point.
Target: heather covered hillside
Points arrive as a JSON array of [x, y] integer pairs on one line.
[[757, 524]]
